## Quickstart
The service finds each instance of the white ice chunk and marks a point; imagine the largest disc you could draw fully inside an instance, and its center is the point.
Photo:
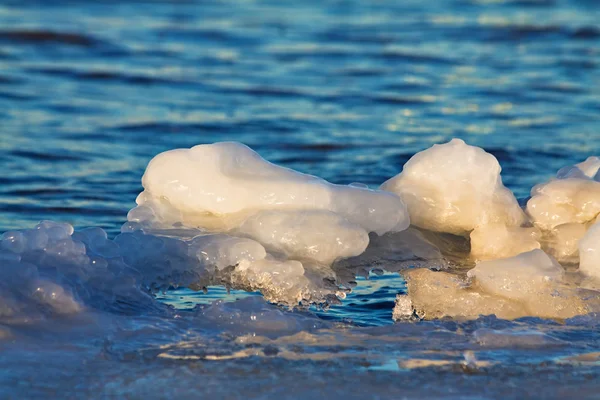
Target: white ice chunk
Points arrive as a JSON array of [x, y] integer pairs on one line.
[[563, 201], [589, 252], [454, 187], [217, 186], [322, 236], [519, 277], [499, 241], [565, 207]]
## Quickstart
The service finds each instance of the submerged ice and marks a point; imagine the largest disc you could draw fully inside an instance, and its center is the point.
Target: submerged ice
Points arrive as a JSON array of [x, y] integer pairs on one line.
[[220, 214]]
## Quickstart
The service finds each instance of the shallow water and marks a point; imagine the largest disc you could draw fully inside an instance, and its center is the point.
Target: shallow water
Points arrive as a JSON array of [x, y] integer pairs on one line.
[[90, 92]]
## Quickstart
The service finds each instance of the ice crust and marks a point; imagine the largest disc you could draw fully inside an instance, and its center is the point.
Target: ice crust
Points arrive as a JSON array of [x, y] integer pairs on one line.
[[221, 215]]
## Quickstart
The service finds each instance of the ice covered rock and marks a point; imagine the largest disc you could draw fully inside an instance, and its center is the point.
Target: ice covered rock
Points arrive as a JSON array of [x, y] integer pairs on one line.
[[217, 186], [455, 188], [499, 241]]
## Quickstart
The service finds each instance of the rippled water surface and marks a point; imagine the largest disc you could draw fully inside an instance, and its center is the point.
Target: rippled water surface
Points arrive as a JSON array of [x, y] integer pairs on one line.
[[347, 90]]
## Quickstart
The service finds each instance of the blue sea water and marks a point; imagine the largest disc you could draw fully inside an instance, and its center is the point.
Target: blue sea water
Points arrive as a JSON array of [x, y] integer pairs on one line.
[[346, 90]]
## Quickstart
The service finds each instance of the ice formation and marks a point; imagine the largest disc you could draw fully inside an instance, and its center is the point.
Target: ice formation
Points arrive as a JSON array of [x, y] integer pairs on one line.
[[264, 221], [322, 236], [455, 188], [565, 207], [220, 214], [563, 201], [520, 278], [589, 252], [216, 187], [530, 284], [501, 241]]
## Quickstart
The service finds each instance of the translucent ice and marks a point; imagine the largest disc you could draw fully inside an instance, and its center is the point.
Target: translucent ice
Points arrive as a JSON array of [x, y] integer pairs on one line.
[[562, 201], [499, 241], [223, 251], [454, 187], [520, 277], [565, 207], [587, 169], [562, 242], [322, 236], [530, 284], [589, 252], [440, 294]]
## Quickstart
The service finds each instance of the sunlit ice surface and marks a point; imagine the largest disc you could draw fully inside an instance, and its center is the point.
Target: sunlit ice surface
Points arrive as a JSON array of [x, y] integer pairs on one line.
[[90, 92]]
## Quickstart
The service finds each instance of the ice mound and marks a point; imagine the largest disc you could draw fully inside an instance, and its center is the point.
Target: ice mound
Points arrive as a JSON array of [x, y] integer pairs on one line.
[[565, 207], [455, 188], [563, 201], [217, 186], [263, 227], [273, 229]]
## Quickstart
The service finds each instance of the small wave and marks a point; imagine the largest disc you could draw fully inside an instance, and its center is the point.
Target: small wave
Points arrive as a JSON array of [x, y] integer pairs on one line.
[[43, 36]]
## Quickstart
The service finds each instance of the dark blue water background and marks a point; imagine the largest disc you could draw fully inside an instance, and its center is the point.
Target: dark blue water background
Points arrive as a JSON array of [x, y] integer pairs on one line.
[[347, 90]]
